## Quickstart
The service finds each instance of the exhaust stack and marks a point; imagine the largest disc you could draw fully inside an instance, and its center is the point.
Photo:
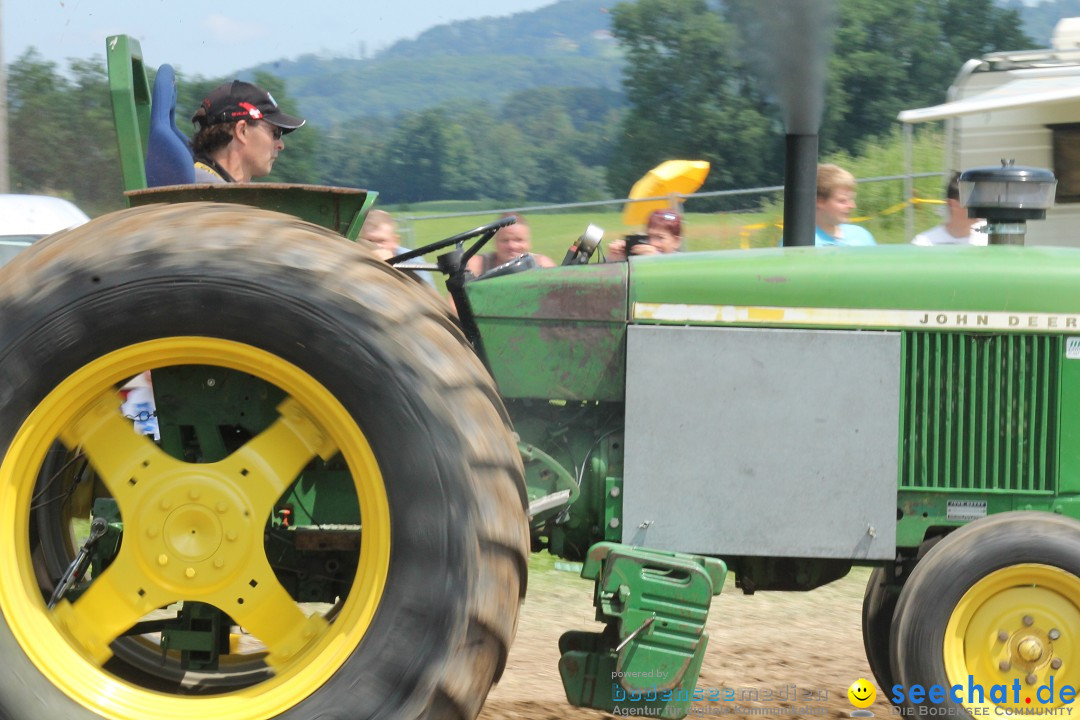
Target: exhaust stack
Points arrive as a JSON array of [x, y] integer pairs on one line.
[[800, 188], [790, 40]]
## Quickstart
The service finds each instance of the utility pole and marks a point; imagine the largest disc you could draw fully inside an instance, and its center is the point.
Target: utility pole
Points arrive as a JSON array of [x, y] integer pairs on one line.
[[5, 166]]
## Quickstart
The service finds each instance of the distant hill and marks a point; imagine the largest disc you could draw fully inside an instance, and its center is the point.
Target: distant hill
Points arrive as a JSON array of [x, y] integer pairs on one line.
[[579, 28], [566, 44]]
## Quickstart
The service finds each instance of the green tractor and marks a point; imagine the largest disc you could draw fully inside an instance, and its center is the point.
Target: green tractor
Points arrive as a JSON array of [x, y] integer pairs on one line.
[[334, 518]]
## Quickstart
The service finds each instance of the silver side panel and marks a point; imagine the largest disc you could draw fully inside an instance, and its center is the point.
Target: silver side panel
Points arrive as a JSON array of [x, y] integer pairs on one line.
[[762, 442]]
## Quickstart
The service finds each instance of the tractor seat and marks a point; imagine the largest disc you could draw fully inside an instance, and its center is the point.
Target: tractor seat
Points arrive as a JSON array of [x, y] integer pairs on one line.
[[168, 151]]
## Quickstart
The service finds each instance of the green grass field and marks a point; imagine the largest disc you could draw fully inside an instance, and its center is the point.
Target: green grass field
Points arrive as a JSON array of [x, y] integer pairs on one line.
[[881, 207], [553, 232]]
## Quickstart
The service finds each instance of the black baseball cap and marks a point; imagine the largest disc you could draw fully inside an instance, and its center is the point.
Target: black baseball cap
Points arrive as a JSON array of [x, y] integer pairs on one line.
[[240, 100]]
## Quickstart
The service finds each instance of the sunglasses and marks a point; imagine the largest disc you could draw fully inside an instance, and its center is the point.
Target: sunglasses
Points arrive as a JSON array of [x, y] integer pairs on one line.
[[275, 130]]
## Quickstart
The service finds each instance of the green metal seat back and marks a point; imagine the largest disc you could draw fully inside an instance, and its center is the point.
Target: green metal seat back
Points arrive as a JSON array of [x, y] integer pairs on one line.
[[129, 91]]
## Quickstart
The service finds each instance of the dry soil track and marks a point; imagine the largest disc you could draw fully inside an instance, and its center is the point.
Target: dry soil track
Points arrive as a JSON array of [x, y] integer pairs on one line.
[[767, 641]]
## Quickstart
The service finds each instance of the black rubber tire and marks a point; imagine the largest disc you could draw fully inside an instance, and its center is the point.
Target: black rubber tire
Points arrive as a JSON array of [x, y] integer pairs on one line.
[[955, 565], [386, 350], [877, 617]]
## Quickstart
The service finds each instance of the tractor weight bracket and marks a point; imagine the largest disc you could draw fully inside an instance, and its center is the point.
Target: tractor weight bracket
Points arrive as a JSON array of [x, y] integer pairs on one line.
[[648, 657]]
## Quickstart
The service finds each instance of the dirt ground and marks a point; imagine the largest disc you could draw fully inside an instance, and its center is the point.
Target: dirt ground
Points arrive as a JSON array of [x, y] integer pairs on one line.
[[765, 641]]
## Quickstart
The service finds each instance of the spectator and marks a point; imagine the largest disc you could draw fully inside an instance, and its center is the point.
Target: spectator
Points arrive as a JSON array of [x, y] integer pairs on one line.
[[835, 201], [664, 233], [510, 242], [958, 228], [240, 129], [380, 229]]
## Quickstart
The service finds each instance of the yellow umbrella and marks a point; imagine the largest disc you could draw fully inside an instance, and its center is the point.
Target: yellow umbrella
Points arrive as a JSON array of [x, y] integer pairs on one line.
[[667, 178]]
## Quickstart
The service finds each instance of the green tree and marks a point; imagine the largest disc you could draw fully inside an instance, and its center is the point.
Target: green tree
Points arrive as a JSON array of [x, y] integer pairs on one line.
[[95, 175], [890, 57], [36, 99], [555, 147], [561, 178], [504, 160], [885, 59], [63, 129], [973, 28], [427, 157], [348, 152], [694, 92], [689, 96], [582, 121]]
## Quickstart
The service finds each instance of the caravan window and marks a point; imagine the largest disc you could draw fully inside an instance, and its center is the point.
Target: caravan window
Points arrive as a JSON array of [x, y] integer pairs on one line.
[[1067, 161]]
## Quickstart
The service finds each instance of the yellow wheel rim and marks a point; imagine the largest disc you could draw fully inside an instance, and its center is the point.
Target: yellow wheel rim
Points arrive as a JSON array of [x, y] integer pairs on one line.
[[191, 532], [1012, 632]]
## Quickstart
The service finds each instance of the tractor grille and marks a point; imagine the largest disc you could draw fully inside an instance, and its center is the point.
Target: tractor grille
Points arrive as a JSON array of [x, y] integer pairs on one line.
[[980, 412]]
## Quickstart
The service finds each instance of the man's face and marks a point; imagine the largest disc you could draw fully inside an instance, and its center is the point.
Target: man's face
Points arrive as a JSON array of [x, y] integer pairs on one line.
[[510, 242], [958, 211], [261, 150], [836, 208]]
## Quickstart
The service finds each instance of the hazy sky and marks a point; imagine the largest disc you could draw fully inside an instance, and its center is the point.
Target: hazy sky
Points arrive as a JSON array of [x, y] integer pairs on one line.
[[214, 37]]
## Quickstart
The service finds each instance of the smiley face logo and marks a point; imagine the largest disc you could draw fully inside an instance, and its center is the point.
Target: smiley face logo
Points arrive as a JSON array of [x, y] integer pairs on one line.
[[861, 693]]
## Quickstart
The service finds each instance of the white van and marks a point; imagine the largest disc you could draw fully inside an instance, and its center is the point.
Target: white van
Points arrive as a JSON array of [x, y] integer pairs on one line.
[[26, 218]]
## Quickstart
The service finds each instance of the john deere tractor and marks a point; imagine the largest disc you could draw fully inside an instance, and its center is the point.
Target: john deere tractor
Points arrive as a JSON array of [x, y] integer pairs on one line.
[[334, 516]]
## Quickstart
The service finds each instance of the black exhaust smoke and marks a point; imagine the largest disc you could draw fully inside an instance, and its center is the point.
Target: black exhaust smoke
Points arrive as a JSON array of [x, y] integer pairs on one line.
[[788, 42]]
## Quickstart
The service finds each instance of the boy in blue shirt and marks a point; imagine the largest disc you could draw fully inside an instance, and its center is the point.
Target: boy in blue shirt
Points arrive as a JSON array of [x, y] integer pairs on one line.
[[835, 202]]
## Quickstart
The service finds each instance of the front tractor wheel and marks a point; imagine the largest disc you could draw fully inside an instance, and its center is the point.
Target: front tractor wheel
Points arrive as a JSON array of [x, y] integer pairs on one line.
[[335, 503], [879, 601], [992, 616]]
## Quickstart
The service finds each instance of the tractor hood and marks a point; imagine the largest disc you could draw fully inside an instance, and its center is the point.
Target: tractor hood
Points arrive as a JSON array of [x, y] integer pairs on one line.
[[890, 287], [561, 332], [556, 332]]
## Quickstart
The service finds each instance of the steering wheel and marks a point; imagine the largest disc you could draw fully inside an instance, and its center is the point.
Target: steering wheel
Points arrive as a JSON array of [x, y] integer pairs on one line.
[[456, 276], [484, 232]]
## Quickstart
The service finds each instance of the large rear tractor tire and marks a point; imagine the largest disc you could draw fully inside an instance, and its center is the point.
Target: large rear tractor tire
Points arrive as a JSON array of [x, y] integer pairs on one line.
[[994, 605], [375, 379]]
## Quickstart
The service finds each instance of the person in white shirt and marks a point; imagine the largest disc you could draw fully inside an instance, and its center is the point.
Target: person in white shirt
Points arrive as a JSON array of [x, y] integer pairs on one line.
[[958, 228]]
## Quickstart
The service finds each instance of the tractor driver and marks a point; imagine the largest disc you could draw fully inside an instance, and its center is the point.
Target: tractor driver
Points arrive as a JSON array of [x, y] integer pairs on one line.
[[240, 127]]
